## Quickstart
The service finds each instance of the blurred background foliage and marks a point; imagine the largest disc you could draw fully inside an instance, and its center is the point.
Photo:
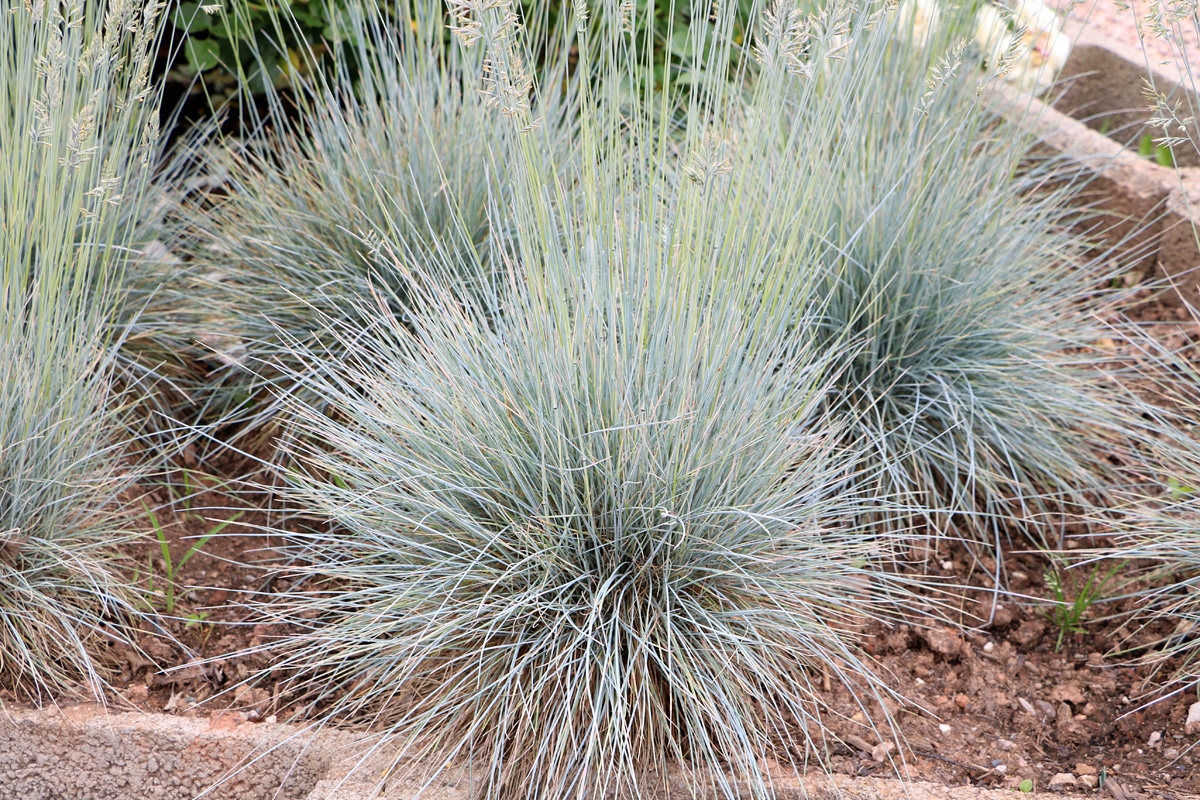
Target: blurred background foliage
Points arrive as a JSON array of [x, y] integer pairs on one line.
[[211, 65]]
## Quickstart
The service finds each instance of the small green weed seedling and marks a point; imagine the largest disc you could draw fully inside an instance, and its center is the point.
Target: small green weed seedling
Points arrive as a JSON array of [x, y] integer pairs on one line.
[[1068, 612], [1025, 786], [186, 499], [193, 483], [195, 618], [172, 567], [198, 621]]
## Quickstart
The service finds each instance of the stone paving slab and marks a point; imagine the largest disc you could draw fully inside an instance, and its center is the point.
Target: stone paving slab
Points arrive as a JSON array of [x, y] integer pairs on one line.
[[89, 753]]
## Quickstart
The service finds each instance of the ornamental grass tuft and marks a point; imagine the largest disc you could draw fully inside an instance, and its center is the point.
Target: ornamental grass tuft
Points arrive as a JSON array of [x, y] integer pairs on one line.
[[78, 130], [966, 307], [388, 144], [585, 534], [572, 560], [1164, 530]]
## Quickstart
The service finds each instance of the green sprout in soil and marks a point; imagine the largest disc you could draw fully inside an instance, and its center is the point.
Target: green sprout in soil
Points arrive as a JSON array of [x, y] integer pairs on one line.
[[171, 567], [1071, 603]]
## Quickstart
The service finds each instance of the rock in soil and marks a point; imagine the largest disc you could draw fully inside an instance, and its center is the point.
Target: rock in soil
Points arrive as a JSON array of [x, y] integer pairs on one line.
[[945, 643], [1192, 726], [1062, 782]]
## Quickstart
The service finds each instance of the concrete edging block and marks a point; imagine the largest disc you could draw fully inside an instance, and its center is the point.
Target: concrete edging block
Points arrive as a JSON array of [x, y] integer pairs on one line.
[[87, 752], [1150, 212]]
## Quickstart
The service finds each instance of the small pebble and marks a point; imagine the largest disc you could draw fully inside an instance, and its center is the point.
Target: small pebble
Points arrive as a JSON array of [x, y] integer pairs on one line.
[[944, 728], [1192, 725], [947, 565], [1062, 782], [1047, 710], [1090, 781], [1005, 744], [1155, 739], [1001, 768], [1085, 769], [962, 701], [880, 751], [943, 641], [989, 647]]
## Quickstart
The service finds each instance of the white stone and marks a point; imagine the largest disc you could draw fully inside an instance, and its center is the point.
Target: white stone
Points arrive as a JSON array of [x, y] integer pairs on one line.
[[1155, 739], [944, 728], [1192, 725]]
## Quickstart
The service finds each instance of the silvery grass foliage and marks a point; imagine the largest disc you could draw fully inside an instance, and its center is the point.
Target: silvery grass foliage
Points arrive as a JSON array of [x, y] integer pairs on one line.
[[964, 309], [65, 599], [594, 537], [389, 144], [1164, 531], [78, 124], [1167, 539], [1157, 542]]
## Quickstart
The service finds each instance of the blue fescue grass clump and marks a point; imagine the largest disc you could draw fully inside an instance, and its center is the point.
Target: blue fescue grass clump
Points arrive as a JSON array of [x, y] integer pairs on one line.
[[570, 558], [966, 308], [1165, 529], [64, 599], [1158, 538], [389, 146], [78, 130], [589, 530]]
